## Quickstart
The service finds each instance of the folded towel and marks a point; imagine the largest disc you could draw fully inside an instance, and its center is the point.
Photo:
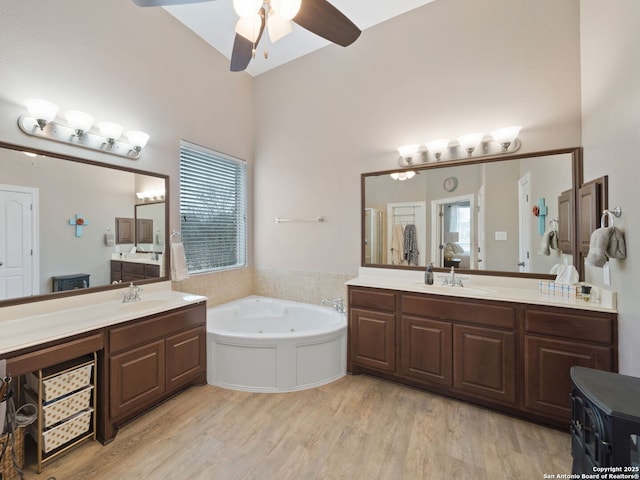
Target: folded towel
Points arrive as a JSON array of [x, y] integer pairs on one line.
[[605, 243], [545, 244], [179, 269]]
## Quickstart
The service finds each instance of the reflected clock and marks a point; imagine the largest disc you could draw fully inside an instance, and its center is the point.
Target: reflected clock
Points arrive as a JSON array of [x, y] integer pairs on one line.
[[450, 184]]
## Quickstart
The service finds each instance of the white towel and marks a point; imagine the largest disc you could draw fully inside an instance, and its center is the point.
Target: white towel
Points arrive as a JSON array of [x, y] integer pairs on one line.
[[179, 269], [397, 242], [606, 242]]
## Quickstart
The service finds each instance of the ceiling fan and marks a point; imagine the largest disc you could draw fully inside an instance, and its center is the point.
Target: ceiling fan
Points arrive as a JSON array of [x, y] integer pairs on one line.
[[317, 16]]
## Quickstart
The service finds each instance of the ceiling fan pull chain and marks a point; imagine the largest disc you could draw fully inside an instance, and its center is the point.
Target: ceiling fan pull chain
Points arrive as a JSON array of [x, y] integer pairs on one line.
[[266, 53]]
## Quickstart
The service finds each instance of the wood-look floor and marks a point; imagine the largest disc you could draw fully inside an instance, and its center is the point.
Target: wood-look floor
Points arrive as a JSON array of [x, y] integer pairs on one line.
[[356, 428]]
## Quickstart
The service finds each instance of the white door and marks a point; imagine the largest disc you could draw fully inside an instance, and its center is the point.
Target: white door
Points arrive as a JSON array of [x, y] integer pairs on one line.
[[524, 228], [480, 229], [18, 245]]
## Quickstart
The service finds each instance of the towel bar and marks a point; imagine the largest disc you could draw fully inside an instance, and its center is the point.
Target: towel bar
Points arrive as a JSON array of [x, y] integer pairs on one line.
[[299, 220]]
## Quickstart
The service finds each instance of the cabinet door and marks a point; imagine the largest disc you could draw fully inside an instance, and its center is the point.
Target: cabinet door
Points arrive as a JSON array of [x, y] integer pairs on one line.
[[186, 357], [137, 379], [484, 363], [565, 221], [426, 350], [144, 230], [125, 230], [372, 339], [589, 209], [546, 371]]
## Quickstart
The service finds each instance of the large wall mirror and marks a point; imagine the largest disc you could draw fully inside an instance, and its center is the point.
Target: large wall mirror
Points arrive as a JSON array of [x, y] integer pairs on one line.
[[490, 215], [58, 215]]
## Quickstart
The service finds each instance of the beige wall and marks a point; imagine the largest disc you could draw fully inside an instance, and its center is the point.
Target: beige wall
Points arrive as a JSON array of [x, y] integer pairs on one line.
[[611, 139], [137, 66], [443, 70]]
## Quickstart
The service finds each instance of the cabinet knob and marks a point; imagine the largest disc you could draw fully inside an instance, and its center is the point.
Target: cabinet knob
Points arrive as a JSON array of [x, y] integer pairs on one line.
[[521, 264]]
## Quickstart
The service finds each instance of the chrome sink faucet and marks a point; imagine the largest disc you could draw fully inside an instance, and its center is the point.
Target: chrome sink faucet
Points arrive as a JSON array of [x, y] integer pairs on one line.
[[132, 294], [451, 279], [337, 304]]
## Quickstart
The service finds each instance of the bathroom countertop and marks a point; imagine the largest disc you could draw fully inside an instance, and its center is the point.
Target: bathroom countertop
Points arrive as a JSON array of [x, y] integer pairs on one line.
[[507, 289], [23, 326]]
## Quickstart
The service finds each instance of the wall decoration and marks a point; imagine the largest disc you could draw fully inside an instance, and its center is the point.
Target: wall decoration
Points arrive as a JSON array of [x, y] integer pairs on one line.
[[79, 221]]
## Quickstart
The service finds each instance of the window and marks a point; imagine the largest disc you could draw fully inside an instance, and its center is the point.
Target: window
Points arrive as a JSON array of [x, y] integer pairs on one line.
[[213, 209]]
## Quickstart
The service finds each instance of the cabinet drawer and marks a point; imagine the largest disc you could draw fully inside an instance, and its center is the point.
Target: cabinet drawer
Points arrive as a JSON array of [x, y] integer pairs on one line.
[[573, 325], [135, 268], [63, 408], [61, 384], [66, 431], [460, 309], [143, 331], [371, 298]]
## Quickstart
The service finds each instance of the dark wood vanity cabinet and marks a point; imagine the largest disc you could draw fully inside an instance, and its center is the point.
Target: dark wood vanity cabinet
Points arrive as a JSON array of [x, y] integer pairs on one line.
[[122, 271], [556, 340], [372, 330], [509, 356], [150, 359]]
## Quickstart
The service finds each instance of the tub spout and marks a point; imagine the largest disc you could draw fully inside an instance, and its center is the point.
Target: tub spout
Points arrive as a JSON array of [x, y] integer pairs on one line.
[[337, 304]]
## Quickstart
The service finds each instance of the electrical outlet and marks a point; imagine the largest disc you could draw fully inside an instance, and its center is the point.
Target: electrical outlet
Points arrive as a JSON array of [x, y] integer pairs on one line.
[[606, 274]]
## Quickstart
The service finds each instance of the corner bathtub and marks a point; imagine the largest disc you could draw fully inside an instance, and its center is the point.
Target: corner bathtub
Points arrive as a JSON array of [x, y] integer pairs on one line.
[[261, 344]]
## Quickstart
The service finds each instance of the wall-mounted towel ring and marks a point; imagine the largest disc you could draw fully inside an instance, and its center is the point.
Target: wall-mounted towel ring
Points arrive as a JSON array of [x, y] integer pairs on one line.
[[609, 214], [175, 234]]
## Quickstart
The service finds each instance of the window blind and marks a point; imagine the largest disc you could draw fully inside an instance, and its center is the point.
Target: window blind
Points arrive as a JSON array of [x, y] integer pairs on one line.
[[213, 209]]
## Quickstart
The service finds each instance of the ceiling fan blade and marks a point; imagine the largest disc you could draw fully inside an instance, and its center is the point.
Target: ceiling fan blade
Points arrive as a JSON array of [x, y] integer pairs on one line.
[[326, 21], [162, 3], [242, 52]]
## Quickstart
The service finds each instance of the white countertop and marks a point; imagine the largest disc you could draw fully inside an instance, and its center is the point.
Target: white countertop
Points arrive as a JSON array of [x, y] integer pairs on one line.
[[506, 289], [23, 326]]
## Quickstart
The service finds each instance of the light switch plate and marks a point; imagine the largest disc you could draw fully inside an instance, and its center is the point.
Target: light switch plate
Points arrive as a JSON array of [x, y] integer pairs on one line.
[[501, 235], [606, 274]]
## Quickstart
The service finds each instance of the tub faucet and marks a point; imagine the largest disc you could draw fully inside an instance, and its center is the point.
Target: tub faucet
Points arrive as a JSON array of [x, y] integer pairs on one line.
[[131, 295], [337, 304]]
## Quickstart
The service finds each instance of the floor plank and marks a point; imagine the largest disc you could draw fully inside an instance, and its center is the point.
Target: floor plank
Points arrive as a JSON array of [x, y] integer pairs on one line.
[[356, 428]]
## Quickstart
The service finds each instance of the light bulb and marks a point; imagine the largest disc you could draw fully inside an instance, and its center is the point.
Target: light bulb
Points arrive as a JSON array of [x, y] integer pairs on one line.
[[249, 27], [111, 131], [138, 139], [436, 147], [247, 8], [79, 121], [470, 141], [278, 27], [42, 110], [287, 9]]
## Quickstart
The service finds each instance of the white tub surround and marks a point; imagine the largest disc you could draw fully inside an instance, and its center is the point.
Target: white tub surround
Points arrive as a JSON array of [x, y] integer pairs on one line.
[[486, 287], [260, 344], [36, 323]]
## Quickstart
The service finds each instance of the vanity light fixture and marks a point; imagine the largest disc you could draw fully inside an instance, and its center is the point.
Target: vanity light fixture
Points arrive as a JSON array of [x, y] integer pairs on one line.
[[502, 140], [470, 141], [155, 195], [79, 122], [402, 176], [41, 110], [436, 147], [76, 129], [407, 152], [506, 136]]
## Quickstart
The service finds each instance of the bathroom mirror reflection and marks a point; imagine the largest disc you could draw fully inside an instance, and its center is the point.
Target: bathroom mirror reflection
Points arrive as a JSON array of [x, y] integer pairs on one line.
[[60, 215], [487, 214]]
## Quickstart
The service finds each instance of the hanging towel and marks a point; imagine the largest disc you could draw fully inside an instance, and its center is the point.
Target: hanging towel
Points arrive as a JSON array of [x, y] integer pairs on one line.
[[606, 242], [616, 247], [553, 240], [411, 245], [397, 239], [545, 244], [178, 263]]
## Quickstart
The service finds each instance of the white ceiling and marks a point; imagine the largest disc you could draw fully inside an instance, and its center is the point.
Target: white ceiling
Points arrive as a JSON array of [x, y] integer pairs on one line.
[[215, 22]]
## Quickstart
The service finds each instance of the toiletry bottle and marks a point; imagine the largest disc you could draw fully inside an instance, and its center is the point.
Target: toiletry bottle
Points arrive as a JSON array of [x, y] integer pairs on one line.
[[428, 275]]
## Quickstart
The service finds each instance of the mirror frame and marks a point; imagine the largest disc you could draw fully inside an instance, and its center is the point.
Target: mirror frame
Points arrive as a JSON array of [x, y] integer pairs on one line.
[[577, 180], [85, 291]]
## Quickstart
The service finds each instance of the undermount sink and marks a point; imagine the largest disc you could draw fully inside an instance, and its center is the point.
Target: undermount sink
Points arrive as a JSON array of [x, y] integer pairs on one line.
[[142, 305], [457, 289]]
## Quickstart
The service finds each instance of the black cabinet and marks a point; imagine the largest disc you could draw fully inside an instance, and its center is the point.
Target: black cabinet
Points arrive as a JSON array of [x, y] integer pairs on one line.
[[605, 421], [70, 282]]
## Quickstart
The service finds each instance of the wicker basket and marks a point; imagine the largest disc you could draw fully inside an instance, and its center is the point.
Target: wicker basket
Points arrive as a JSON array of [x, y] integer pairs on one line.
[[6, 465]]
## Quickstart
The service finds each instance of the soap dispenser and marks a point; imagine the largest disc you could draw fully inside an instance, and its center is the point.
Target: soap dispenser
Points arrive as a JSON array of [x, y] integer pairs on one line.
[[428, 275]]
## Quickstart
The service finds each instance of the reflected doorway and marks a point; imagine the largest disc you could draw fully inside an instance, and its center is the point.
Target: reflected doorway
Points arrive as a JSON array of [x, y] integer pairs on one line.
[[453, 239]]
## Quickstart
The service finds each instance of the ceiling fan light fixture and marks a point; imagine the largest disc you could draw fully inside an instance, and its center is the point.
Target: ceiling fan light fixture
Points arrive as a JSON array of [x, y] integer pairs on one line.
[[287, 9], [249, 27], [278, 27], [247, 8]]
